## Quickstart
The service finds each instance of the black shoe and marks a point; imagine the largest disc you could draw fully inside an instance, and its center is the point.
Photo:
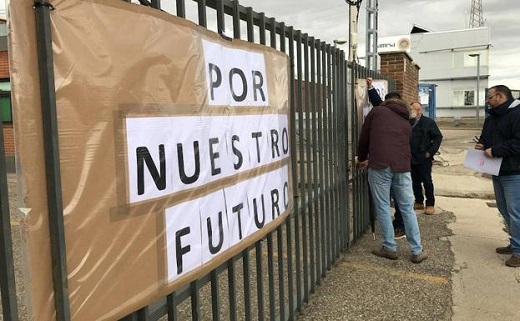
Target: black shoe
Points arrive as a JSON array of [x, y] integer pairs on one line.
[[387, 254], [504, 250], [399, 234]]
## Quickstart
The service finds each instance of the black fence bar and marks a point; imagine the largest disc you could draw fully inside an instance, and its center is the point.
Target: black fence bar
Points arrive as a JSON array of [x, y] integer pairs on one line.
[[7, 278], [345, 170], [171, 304], [306, 192], [155, 4], [330, 168], [181, 8], [321, 158], [292, 136], [232, 291], [52, 159], [247, 288], [236, 20], [203, 18], [324, 193], [250, 25], [299, 170], [195, 301], [318, 160], [279, 231], [215, 296], [311, 167], [259, 280], [335, 152]]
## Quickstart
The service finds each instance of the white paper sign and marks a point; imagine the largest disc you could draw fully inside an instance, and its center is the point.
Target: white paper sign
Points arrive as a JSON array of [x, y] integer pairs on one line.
[[200, 229], [475, 159], [235, 77], [167, 155]]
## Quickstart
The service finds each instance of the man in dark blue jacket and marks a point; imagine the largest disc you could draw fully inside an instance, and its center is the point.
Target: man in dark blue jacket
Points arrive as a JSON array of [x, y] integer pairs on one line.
[[500, 137]]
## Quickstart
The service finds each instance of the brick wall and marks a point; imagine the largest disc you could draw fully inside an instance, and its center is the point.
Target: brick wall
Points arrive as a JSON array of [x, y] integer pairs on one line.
[[8, 128], [400, 66], [8, 139], [4, 64]]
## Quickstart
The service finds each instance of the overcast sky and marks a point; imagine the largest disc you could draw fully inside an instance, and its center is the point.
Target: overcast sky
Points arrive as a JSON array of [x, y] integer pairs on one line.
[[328, 20]]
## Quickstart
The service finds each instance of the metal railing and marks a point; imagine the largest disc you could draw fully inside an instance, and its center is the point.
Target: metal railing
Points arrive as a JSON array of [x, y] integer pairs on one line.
[[274, 278], [7, 275]]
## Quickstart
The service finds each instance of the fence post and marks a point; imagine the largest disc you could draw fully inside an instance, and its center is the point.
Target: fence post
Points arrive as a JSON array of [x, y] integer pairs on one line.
[[7, 280], [52, 160]]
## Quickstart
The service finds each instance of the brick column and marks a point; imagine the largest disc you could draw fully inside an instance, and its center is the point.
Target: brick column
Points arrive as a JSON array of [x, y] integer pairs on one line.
[[4, 64], [400, 66], [7, 128]]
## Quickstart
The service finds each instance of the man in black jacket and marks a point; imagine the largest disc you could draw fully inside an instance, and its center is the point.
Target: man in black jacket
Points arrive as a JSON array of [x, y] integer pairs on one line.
[[501, 138], [425, 142]]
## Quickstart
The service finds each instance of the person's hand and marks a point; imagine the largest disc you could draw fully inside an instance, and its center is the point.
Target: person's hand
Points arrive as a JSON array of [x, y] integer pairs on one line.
[[369, 82], [488, 153], [362, 165], [479, 146]]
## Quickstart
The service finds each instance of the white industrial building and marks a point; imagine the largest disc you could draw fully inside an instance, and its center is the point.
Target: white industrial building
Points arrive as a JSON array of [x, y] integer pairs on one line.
[[450, 61]]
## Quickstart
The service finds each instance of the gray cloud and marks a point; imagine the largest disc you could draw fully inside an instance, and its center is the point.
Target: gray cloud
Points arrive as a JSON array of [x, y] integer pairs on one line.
[[328, 20]]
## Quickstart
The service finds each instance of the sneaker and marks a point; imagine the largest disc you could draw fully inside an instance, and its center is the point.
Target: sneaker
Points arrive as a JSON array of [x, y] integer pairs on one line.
[[418, 258], [513, 261], [429, 210], [387, 254], [399, 234], [504, 250], [418, 206]]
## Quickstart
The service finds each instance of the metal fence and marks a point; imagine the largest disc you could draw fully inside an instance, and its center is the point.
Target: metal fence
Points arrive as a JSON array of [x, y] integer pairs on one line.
[[274, 278], [7, 278]]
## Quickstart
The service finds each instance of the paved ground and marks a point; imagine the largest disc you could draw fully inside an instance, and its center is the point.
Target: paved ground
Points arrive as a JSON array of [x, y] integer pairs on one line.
[[464, 279]]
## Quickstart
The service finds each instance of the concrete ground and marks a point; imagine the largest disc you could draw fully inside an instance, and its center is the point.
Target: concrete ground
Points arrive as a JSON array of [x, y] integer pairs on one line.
[[463, 279]]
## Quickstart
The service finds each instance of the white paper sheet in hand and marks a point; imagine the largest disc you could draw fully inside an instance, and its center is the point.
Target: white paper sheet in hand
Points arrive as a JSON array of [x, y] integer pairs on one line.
[[475, 159]]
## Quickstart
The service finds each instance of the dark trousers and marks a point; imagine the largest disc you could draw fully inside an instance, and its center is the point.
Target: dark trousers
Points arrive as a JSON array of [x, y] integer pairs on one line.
[[422, 176], [398, 218]]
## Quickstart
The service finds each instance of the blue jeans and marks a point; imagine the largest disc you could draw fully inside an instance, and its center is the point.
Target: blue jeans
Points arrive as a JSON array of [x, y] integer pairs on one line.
[[507, 194], [381, 182]]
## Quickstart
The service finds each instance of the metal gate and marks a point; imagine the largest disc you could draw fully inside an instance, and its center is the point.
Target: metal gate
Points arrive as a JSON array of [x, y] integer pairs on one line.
[[274, 278]]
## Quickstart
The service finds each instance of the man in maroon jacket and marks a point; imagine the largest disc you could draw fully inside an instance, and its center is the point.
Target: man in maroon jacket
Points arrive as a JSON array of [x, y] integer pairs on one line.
[[384, 147]]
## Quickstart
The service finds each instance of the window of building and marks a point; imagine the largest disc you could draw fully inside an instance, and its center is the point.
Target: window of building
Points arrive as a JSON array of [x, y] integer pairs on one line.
[[463, 98], [5, 106], [5, 101]]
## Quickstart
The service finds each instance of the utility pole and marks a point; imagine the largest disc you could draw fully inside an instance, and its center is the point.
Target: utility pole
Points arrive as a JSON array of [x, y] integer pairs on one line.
[[477, 101], [353, 34]]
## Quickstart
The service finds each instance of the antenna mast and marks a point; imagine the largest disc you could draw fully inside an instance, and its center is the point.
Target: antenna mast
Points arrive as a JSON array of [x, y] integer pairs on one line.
[[476, 18]]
